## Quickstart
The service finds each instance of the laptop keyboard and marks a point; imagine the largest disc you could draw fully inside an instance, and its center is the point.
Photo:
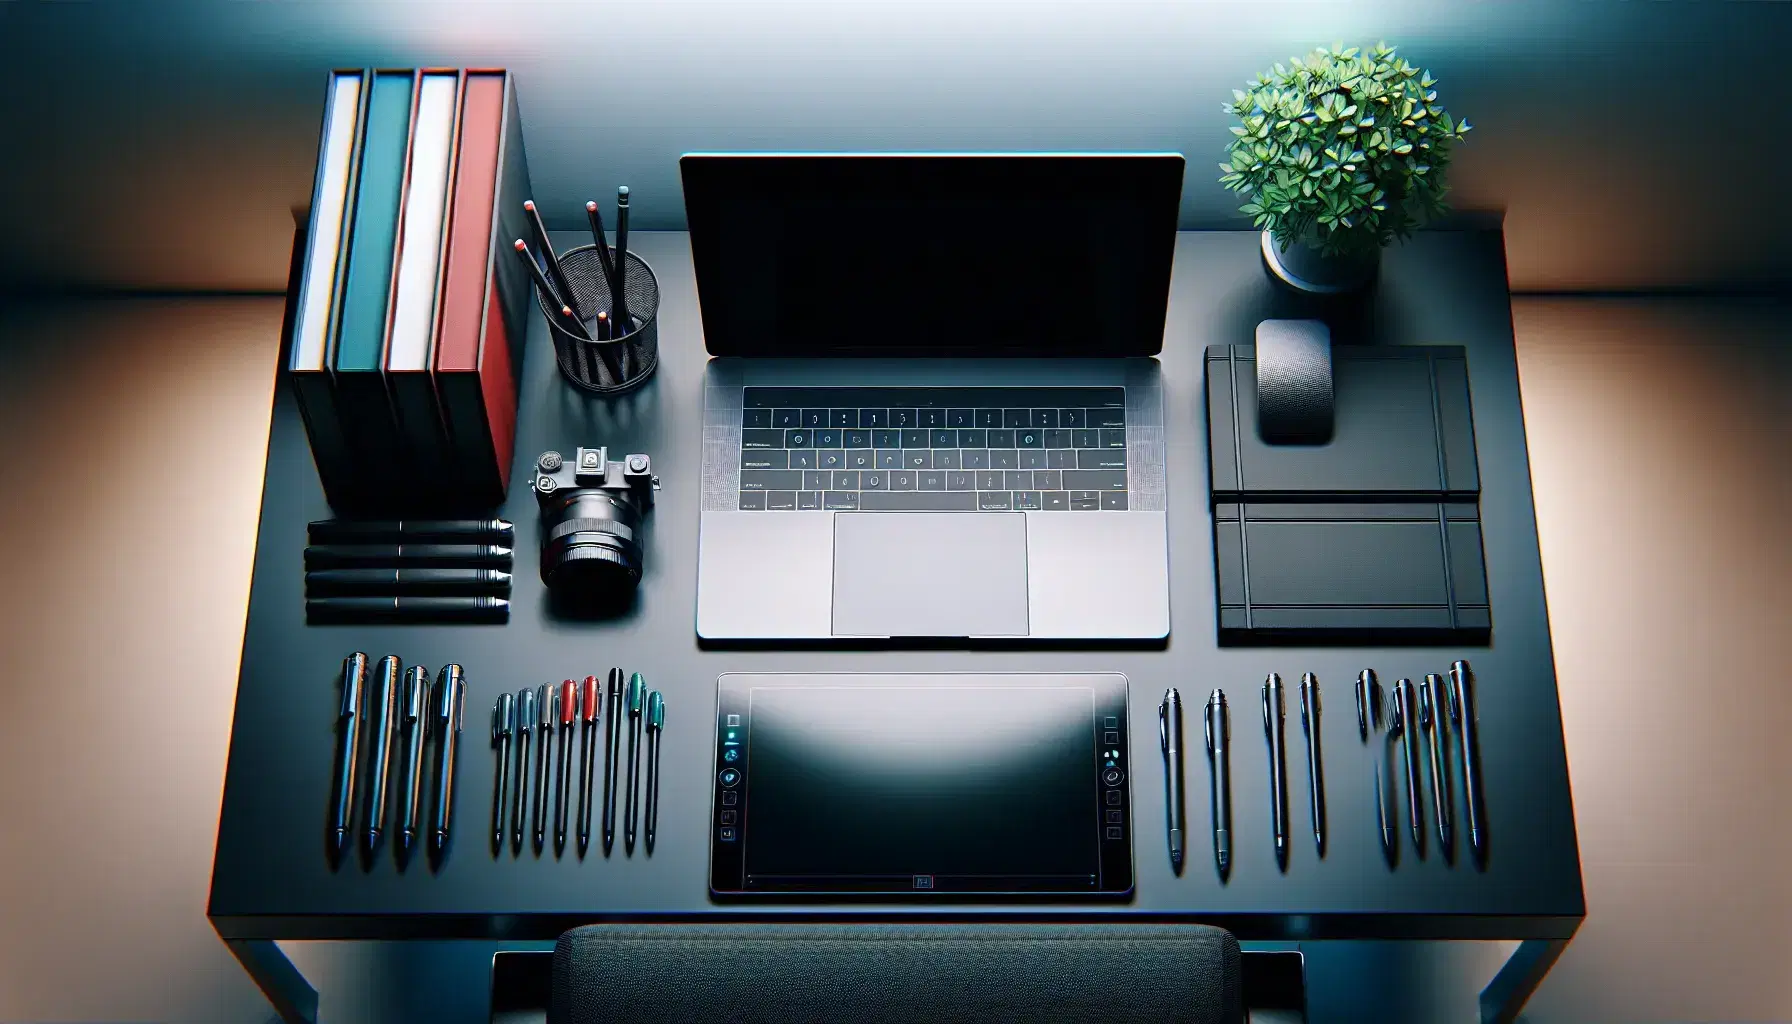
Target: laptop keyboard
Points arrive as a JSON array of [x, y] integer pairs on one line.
[[933, 449]]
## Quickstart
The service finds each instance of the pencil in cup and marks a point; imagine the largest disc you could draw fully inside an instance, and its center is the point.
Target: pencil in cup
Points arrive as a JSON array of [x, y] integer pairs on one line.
[[632, 352]]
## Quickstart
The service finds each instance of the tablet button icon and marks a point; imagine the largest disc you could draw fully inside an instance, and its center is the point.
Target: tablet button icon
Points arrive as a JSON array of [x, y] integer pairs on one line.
[[923, 881]]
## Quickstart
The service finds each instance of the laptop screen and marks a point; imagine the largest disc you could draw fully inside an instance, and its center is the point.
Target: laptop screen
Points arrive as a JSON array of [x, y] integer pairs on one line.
[[1059, 255]]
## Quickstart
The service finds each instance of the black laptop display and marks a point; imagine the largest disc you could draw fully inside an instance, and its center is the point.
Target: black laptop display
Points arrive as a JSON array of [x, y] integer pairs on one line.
[[921, 785]]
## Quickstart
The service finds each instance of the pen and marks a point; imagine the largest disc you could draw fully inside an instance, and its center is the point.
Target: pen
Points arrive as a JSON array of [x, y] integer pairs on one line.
[[588, 701], [1278, 765], [347, 556], [548, 712], [1218, 734], [1431, 716], [1468, 730], [450, 712], [614, 744], [413, 707], [519, 804], [621, 321], [1406, 726], [656, 720], [1309, 724], [413, 531], [503, 724], [1368, 722], [567, 707], [637, 694], [354, 676], [548, 257], [386, 678], [405, 582], [1169, 734], [596, 216]]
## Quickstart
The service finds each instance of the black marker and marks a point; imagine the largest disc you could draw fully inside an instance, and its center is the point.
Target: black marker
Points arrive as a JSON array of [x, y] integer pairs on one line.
[[354, 677], [503, 725], [612, 748], [337, 610], [450, 706], [1273, 714], [1218, 732], [619, 293], [637, 699], [382, 556], [406, 582], [656, 720], [411, 531], [1169, 734]]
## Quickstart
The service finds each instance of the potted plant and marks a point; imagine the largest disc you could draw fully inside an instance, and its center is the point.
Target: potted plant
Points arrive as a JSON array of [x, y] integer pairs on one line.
[[1337, 155]]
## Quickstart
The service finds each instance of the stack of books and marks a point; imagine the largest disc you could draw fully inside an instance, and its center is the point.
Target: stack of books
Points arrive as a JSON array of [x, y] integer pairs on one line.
[[407, 311]]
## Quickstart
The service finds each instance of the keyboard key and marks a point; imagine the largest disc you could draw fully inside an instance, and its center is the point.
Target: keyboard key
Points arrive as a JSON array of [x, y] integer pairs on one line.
[[903, 418], [802, 458], [1003, 458], [1015, 417], [989, 480], [974, 459], [1095, 479], [845, 480], [830, 458], [782, 418], [1048, 480], [922, 459], [829, 438], [1033, 458], [1113, 439], [798, 438], [752, 501], [961, 480], [1072, 418], [1017, 480], [813, 418], [916, 438], [1029, 438], [1043, 418], [1058, 439], [994, 501], [960, 418], [889, 458], [945, 458], [1112, 417], [1085, 501], [902, 480], [874, 417], [1085, 438], [843, 417], [1061, 458], [761, 438], [931, 418], [942, 438], [1001, 439], [886, 439], [1026, 501], [780, 501], [756, 417], [770, 480], [764, 458], [817, 479], [860, 458], [855, 439], [973, 438], [838, 500], [1101, 458], [808, 501], [931, 480], [873, 480], [918, 501], [1113, 501], [1054, 501], [989, 417]]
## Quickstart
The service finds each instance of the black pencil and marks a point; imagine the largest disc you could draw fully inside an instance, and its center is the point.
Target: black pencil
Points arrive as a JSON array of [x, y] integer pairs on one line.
[[618, 298], [595, 215], [552, 261], [541, 280]]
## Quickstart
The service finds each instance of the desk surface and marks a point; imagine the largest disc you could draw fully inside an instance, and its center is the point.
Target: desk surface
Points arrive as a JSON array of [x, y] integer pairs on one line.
[[271, 878]]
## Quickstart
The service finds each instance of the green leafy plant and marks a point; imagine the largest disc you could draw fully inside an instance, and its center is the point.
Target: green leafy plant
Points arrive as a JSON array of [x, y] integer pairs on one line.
[[1344, 151]]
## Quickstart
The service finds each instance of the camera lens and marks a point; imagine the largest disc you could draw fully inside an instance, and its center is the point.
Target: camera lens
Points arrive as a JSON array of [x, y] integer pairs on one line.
[[591, 547]]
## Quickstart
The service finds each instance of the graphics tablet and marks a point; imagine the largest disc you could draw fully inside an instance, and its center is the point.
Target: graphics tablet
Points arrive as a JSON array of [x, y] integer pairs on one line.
[[930, 786]]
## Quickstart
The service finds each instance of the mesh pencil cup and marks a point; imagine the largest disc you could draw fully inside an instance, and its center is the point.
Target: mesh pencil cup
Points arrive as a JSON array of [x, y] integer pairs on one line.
[[622, 363]]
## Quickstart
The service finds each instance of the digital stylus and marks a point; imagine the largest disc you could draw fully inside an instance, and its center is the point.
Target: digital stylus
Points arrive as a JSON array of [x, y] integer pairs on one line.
[[1274, 712], [1169, 733]]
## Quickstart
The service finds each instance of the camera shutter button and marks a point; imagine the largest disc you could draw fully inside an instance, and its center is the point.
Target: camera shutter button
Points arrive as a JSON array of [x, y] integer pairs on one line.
[[549, 461], [637, 463]]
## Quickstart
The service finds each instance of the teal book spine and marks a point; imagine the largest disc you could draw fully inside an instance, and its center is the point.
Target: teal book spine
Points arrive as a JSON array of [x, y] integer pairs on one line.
[[361, 343]]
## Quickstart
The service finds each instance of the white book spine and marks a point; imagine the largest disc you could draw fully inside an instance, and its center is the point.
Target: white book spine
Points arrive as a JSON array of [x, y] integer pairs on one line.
[[318, 282], [420, 250]]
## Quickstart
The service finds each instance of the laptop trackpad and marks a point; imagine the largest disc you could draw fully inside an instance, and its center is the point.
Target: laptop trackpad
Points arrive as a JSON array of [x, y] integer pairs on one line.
[[930, 574]]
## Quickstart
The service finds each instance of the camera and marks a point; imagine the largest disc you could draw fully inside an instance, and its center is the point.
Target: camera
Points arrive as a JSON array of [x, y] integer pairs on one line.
[[591, 511]]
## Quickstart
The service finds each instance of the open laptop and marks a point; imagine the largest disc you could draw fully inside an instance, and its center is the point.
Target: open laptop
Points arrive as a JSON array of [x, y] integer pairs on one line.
[[933, 414]]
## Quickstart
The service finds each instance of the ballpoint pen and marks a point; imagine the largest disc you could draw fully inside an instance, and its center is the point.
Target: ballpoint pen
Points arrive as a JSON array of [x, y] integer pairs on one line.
[[1218, 730], [1406, 726], [620, 321], [387, 676], [1273, 714], [1368, 723], [588, 710], [547, 713], [503, 725], [450, 706], [1309, 724], [567, 707], [519, 804], [612, 747], [656, 720], [413, 711], [1169, 734], [637, 699], [1468, 731], [354, 677], [1432, 717]]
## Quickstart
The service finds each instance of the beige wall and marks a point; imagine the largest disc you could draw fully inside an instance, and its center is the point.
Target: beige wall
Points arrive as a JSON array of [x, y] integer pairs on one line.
[[137, 432]]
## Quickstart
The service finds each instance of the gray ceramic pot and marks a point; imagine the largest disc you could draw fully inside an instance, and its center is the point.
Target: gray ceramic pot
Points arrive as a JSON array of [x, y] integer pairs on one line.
[[1304, 269]]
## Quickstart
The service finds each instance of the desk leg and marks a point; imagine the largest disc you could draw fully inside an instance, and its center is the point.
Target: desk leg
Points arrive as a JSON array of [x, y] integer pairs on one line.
[[293, 997], [1506, 994]]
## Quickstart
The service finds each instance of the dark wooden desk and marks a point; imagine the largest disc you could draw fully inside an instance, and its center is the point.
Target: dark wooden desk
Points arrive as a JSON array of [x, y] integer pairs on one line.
[[271, 879]]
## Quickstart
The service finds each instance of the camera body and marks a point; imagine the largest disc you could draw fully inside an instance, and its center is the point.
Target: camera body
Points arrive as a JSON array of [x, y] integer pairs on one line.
[[591, 514]]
